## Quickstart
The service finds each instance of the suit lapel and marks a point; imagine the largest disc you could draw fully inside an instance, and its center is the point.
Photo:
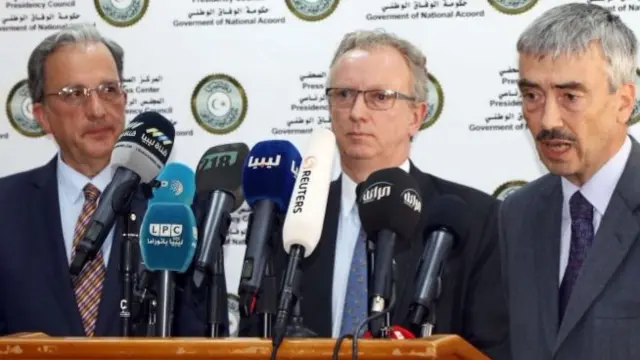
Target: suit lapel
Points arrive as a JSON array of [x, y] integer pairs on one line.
[[618, 231], [317, 277], [546, 236], [109, 309], [53, 256]]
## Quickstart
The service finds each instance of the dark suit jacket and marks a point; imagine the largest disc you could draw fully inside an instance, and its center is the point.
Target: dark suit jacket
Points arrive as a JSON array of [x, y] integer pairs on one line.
[[472, 302], [36, 293], [602, 318]]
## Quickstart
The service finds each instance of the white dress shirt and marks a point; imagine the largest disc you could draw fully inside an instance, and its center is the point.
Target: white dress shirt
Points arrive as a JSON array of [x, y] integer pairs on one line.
[[71, 198], [348, 230], [597, 191]]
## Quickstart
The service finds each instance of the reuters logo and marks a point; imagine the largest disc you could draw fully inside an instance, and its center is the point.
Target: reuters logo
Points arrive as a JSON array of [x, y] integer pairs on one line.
[[503, 191], [312, 10], [219, 104], [309, 162], [513, 7], [19, 111], [435, 102], [635, 115], [121, 13]]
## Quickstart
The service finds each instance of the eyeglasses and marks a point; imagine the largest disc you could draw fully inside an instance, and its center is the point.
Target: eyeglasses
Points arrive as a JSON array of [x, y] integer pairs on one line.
[[374, 99], [78, 94]]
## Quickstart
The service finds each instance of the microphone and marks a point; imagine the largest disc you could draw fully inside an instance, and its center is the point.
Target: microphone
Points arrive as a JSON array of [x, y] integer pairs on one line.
[[168, 243], [304, 220], [267, 182], [218, 180], [174, 184], [448, 222], [389, 207], [138, 155]]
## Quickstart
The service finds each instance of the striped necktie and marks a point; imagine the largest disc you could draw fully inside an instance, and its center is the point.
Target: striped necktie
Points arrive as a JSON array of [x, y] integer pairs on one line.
[[88, 284]]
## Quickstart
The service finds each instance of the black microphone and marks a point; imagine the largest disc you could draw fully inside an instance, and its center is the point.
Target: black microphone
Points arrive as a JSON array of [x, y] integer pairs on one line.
[[138, 155], [219, 182], [448, 222], [389, 207]]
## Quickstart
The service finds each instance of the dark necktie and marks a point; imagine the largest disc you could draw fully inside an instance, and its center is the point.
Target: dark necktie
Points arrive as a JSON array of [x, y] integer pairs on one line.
[[355, 302], [581, 238]]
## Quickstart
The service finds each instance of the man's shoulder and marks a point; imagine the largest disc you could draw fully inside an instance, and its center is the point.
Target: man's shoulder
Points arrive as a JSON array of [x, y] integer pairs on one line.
[[16, 184], [478, 200], [525, 194]]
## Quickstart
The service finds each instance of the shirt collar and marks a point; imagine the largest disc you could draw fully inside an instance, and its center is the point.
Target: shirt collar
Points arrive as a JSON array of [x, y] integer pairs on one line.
[[599, 189], [71, 183], [348, 191]]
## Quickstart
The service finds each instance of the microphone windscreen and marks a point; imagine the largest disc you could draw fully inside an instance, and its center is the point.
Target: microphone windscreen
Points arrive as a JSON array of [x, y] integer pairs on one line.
[[450, 212], [305, 214], [390, 199], [220, 168], [269, 173], [177, 184], [145, 145], [168, 237]]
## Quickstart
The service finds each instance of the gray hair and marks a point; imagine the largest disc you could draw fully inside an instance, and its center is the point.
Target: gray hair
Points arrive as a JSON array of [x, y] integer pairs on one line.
[[366, 39], [570, 28], [73, 34]]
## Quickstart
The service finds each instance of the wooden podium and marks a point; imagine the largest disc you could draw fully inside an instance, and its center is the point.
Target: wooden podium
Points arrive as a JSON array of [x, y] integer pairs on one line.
[[40, 346]]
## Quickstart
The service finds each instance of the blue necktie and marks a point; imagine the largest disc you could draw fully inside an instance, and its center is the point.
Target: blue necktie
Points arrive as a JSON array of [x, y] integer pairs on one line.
[[581, 238], [355, 302]]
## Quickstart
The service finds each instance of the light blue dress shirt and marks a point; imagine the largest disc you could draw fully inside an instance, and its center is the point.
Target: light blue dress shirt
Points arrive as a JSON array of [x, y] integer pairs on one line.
[[71, 198]]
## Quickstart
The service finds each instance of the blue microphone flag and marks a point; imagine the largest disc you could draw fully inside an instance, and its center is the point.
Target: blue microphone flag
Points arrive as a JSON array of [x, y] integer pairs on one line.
[[269, 172], [168, 237]]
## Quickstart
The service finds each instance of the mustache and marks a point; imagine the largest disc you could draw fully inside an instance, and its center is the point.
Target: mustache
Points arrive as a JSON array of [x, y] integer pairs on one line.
[[555, 134]]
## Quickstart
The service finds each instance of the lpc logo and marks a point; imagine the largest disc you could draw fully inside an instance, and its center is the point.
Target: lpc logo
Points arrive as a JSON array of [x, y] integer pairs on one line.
[[264, 162], [412, 200], [166, 230], [376, 192]]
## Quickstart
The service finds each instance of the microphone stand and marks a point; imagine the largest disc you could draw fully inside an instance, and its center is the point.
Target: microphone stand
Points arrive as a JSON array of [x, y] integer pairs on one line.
[[128, 259], [296, 326], [217, 298], [266, 305]]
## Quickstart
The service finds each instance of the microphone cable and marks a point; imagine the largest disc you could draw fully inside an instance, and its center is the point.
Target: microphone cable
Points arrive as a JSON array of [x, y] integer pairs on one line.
[[354, 344]]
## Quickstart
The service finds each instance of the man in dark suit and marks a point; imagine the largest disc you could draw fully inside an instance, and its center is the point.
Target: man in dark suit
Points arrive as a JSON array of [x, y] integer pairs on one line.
[[569, 239], [75, 84], [376, 92]]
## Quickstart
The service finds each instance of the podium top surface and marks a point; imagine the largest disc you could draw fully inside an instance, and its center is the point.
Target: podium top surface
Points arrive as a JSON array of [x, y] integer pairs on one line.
[[40, 346]]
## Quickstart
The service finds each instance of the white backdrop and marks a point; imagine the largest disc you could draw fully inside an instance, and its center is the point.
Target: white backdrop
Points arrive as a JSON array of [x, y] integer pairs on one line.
[[249, 70]]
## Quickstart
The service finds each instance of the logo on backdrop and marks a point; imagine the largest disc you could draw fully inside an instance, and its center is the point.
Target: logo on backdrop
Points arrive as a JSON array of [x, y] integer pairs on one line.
[[513, 7], [635, 115], [121, 13], [312, 10], [435, 102], [219, 103], [19, 111], [508, 188]]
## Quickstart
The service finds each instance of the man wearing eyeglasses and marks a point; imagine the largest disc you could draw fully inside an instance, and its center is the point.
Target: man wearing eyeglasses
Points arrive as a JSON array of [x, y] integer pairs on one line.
[[74, 80], [377, 98]]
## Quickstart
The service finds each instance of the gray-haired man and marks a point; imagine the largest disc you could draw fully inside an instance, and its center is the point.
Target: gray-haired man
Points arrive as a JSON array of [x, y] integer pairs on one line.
[[74, 81], [568, 239]]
